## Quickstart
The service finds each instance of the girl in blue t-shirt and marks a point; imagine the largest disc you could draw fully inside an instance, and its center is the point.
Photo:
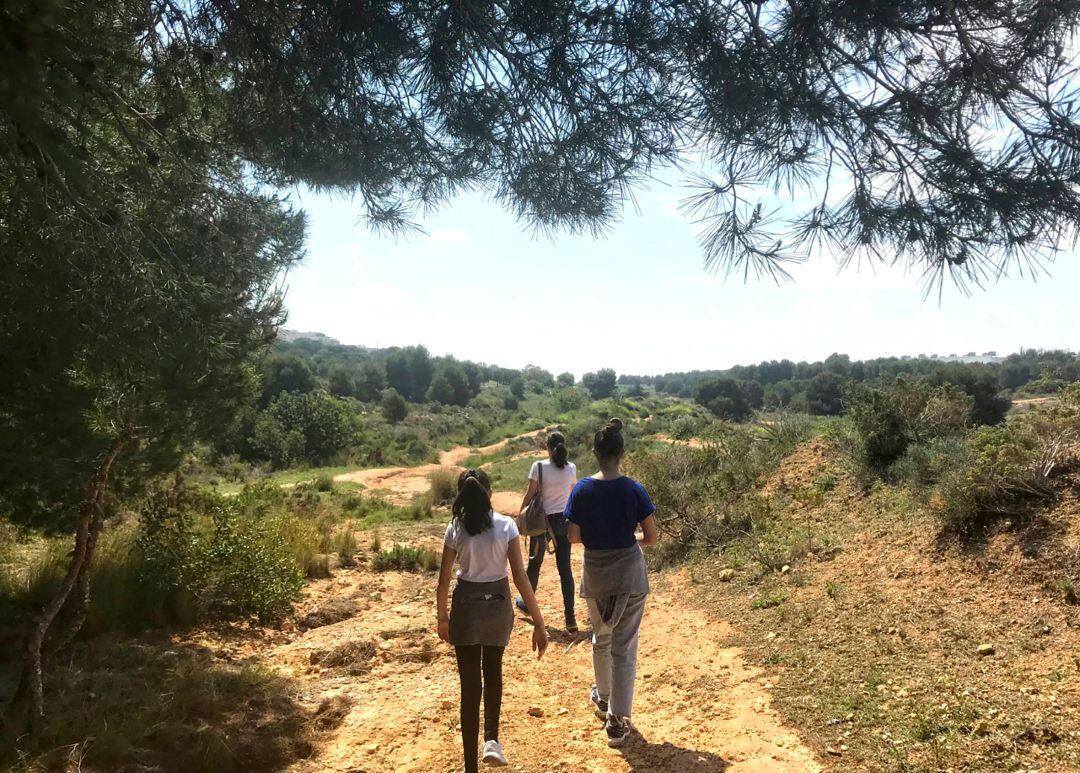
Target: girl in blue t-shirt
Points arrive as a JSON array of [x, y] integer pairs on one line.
[[604, 512]]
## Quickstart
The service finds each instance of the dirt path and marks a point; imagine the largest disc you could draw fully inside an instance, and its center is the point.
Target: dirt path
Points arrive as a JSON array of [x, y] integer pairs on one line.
[[404, 483], [699, 706]]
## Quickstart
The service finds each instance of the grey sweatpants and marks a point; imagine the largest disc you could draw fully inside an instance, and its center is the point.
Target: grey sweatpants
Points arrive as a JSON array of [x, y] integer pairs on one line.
[[614, 653]]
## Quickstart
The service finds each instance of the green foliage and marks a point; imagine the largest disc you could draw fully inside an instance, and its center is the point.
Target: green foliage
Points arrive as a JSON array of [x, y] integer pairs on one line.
[[769, 600], [724, 397], [285, 373], [565, 379], [823, 396], [981, 384], [310, 428], [568, 399], [189, 558], [892, 415], [409, 371], [402, 558], [926, 464], [394, 409], [222, 558], [340, 382], [517, 388], [706, 498], [600, 384], [1008, 470], [817, 387], [443, 485]]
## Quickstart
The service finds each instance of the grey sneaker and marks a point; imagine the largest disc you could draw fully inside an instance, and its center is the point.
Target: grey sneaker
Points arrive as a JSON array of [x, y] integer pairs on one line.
[[600, 706], [617, 730], [520, 604]]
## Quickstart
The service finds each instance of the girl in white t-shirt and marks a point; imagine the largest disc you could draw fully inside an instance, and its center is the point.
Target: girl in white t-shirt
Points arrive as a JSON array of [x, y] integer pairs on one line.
[[552, 480], [481, 618]]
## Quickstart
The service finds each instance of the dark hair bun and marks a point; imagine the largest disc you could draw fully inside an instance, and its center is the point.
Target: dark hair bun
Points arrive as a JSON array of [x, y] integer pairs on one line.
[[608, 442]]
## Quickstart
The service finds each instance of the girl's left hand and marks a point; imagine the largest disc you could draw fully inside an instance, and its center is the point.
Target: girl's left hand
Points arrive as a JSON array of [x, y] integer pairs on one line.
[[444, 630], [540, 640]]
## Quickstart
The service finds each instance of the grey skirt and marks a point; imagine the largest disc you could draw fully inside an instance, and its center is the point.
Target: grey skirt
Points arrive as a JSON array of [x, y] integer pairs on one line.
[[481, 613]]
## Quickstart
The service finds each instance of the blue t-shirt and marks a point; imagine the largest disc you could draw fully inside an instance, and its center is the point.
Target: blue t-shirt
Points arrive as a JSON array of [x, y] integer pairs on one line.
[[608, 511]]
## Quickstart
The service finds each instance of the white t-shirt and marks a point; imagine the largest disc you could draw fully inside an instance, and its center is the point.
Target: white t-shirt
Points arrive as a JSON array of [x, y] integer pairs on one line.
[[482, 556], [557, 484]]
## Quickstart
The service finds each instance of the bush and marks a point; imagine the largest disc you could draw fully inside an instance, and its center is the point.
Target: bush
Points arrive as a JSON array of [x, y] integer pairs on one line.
[[228, 559], [394, 408], [324, 483], [311, 427], [1009, 469], [402, 558], [706, 497], [443, 485], [927, 464], [892, 415], [725, 397]]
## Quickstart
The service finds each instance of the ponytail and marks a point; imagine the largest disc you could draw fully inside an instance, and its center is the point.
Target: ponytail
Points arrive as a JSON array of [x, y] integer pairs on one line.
[[608, 442], [556, 445], [472, 507]]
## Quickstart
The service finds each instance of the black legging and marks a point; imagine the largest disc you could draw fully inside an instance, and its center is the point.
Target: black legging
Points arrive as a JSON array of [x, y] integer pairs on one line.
[[472, 660], [537, 548]]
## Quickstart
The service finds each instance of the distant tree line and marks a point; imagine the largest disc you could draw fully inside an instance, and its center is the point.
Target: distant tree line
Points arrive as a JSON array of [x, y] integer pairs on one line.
[[818, 387]]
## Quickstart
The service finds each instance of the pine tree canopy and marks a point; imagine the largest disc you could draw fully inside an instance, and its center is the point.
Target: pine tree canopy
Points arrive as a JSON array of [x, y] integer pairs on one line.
[[940, 134]]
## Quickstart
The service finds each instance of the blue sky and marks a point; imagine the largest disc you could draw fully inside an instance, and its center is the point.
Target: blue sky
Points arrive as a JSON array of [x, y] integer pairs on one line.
[[479, 285]]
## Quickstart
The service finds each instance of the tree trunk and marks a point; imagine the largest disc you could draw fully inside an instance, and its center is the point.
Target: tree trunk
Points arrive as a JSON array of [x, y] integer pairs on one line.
[[78, 602], [30, 687]]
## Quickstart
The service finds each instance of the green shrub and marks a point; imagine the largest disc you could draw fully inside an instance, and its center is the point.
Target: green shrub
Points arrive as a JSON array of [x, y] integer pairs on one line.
[[1005, 472], [686, 427], [769, 600], [403, 558], [443, 485], [1009, 469], [311, 427], [892, 415], [324, 483], [706, 497], [345, 546], [927, 464], [219, 558], [421, 508], [394, 408]]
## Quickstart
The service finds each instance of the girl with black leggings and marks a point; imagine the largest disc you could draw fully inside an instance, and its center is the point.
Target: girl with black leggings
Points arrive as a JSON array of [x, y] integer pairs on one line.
[[481, 617]]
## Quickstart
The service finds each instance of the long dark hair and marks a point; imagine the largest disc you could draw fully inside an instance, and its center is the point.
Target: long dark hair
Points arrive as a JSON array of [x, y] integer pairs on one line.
[[608, 442], [473, 503], [556, 446]]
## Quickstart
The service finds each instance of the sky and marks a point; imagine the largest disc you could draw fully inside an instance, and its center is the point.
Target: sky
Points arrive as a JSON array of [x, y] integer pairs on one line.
[[481, 286]]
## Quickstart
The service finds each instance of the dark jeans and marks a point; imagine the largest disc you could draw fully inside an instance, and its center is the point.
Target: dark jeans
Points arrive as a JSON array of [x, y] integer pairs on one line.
[[480, 670], [537, 549]]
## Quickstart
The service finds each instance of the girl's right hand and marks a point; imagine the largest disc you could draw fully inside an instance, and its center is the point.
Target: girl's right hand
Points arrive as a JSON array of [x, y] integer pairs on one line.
[[540, 640], [444, 630]]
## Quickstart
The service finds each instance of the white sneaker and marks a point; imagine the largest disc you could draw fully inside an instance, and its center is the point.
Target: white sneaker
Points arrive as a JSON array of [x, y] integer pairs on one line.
[[493, 754]]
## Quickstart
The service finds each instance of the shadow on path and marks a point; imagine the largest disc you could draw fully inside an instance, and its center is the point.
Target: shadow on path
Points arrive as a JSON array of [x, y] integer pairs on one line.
[[643, 757]]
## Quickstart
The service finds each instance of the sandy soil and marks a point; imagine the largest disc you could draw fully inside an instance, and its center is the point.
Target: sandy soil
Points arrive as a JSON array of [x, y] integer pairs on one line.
[[692, 442], [699, 706], [401, 484]]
